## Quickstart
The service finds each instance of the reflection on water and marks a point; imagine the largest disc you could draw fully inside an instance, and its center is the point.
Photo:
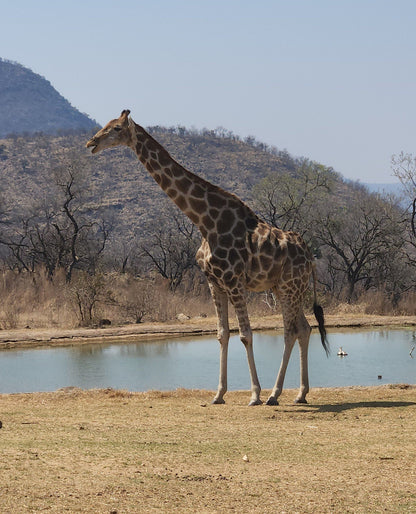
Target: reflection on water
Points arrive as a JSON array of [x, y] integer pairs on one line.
[[194, 363]]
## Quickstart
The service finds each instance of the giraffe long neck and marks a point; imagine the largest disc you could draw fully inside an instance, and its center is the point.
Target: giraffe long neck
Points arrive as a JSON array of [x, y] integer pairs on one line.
[[198, 199]]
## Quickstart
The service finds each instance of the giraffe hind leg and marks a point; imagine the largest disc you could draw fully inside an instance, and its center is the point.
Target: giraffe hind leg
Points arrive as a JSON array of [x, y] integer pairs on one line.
[[303, 339], [295, 327], [290, 339]]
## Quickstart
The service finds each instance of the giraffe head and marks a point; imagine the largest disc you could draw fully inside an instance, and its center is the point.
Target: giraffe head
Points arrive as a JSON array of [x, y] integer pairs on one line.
[[115, 133]]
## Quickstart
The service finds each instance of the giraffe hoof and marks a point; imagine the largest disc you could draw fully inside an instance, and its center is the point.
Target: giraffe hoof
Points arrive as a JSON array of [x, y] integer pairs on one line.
[[300, 400], [255, 402], [218, 401], [272, 401]]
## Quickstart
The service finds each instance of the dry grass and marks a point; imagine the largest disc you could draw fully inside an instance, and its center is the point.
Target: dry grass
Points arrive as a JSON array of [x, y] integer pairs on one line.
[[32, 300], [349, 450]]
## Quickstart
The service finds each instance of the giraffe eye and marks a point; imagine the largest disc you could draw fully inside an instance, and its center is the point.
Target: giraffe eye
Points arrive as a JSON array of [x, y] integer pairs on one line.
[[117, 129]]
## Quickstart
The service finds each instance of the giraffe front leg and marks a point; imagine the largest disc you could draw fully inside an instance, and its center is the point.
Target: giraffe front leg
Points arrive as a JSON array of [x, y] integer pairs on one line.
[[223, 336], [246, 337]]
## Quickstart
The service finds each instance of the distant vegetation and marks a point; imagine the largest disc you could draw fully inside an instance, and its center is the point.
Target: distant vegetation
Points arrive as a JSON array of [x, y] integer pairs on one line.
[[101, 229], [29, 103]]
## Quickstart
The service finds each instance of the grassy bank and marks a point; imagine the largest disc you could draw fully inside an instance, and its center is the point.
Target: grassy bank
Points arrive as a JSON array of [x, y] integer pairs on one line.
[[349, 450]]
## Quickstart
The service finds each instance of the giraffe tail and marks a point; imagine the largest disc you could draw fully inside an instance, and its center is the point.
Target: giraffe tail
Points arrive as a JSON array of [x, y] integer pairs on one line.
[[319, 315]]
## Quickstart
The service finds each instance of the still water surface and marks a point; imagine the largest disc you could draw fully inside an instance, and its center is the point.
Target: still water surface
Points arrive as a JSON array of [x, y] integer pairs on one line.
[[194, 363]]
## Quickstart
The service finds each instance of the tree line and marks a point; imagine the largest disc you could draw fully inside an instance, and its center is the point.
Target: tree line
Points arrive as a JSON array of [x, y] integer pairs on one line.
[[362, 241]]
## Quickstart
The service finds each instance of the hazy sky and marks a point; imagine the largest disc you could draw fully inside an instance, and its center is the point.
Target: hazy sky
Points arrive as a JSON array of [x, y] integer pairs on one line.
[[332, 80]]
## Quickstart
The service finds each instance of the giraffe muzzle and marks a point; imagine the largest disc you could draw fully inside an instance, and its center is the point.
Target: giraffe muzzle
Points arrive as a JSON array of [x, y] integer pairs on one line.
[[93, 145]]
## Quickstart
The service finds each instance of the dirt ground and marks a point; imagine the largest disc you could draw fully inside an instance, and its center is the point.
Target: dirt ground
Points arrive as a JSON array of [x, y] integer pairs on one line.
[[104, 451], [57, 337]]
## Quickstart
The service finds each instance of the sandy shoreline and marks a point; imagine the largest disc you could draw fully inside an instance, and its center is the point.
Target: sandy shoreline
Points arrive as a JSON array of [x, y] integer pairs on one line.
[[31, 338]]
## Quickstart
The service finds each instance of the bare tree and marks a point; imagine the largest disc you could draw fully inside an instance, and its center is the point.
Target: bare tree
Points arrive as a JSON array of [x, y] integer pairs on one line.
[[404, 168], [56, 232], [86, 292], [171, 247], [287, 201], [357, 237]]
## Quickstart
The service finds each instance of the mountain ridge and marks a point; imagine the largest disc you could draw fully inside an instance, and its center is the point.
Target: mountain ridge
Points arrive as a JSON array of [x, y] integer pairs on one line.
[[30, 104]]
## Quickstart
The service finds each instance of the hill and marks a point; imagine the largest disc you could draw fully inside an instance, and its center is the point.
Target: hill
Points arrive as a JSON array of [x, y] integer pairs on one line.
[[115, 182], [29, 104], [45, 133]]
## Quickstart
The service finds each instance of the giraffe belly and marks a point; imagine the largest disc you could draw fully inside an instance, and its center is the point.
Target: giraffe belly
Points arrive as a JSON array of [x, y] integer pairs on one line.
[[263, 272], [257, 285]]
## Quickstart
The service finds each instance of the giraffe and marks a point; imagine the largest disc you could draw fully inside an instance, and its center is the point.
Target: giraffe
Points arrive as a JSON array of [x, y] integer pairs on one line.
[[239, 253]]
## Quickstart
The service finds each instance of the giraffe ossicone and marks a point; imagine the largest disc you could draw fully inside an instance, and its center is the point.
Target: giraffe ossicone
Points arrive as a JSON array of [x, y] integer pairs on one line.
[[239, 253]]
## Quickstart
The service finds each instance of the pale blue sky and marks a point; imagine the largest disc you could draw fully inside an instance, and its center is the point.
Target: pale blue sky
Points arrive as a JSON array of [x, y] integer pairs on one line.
[[332, 80]]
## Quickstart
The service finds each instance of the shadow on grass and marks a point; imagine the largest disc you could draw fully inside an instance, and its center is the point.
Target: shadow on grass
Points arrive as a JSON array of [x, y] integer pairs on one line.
[[340, 407]]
